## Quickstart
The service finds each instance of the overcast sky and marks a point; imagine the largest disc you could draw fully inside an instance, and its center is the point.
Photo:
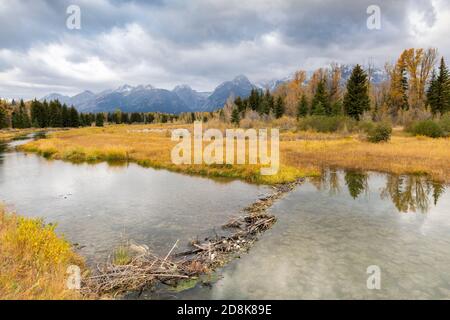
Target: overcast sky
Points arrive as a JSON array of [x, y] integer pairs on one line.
[[200, 42]]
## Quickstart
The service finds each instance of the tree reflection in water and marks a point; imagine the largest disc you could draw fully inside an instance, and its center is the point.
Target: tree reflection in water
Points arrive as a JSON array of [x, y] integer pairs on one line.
[[357, 182], [409, 193], [412, 192]]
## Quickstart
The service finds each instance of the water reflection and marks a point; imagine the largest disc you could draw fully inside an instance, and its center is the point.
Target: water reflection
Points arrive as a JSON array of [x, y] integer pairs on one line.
[[99, 205], [356, 182], [2, 150], [409, 193], [325, 239]]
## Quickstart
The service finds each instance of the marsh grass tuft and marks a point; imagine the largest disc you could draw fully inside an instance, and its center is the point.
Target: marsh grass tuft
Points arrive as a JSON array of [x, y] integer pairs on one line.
[[122, 256]]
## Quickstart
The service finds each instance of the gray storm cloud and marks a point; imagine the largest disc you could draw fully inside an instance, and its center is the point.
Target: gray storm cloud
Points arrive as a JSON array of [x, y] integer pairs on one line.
[[199, 42]]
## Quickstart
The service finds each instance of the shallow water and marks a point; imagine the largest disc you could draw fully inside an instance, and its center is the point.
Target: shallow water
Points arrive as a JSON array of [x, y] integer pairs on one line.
[[329, 232], [100, 206]]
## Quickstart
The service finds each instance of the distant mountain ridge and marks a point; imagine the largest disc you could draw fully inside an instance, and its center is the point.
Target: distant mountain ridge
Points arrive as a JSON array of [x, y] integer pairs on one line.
[[181, 99], [238, 87], [150, 99]]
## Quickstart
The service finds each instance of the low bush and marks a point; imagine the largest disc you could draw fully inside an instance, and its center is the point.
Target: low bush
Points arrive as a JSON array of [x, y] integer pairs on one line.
[[380, 132], [327, 124], [445, 123], [366, 126], [428, 128]]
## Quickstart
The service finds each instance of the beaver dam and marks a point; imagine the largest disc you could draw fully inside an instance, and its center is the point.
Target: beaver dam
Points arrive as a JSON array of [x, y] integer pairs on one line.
[[145, 269]]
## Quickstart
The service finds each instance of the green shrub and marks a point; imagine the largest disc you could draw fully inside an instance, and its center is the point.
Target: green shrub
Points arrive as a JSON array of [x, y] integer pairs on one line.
[[327, 124], [445, 123], [380, 132], [366, 126], [428, 128]]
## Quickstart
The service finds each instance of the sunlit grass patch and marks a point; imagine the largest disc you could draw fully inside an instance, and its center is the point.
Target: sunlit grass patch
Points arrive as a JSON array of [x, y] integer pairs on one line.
[[302, 152], [33, 260], [149, 146]]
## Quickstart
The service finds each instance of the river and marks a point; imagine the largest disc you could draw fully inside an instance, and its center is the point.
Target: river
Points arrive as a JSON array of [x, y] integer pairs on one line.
[[329, 230]]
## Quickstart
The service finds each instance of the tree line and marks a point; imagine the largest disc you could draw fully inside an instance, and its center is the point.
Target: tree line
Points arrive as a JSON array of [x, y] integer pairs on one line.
[[356, 100], [413, 90], [53, 114]]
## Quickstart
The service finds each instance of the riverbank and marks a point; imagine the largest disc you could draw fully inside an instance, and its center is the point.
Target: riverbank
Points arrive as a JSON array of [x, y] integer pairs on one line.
[[401, 155], [149, 146], [12, 134], [302, 154], [33, 260]]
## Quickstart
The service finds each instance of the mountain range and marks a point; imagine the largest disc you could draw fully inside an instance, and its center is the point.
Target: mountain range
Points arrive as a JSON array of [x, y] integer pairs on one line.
[[181, 99], [150, 99]]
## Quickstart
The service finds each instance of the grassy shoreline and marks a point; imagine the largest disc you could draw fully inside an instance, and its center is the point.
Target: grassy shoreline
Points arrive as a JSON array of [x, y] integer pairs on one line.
[[33, 260], [302, 154], [7, 135], [148, 149], [402, 155]]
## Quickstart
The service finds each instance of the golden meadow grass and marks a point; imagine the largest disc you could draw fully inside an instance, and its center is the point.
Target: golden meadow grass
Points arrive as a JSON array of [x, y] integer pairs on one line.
[[301, 153], [149, 146], [33, 260], [402, 155]]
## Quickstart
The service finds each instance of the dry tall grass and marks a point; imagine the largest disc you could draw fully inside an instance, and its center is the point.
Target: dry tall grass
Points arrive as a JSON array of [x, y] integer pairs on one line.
[[33, 260], [302, 153], [148, 146], [400, 156]]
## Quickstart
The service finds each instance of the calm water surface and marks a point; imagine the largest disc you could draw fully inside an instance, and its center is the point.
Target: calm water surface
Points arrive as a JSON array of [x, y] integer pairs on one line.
[[328, 231], [100, 206]]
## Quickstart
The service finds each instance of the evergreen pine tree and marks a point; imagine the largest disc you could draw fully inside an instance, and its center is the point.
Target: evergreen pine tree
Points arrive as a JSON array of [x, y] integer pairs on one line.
[[99, 120], [74, 120], [254, 100], [320, 110], [15, 119], [356, 99], [44, 114], [438, 94], [321, 100], [432, 94], [125, 118], [20, 118], [302, 108], [336, 108], [267, 104], [3, 118], [279, 108], [65, 116], [235, 118], [35, 110], [25, 117], [240, 104], [37, 113], [54, 114]]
